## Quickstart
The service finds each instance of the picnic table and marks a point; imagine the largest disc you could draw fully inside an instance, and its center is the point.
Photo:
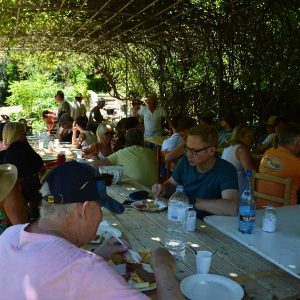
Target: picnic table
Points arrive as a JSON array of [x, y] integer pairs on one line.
[[260, 278]]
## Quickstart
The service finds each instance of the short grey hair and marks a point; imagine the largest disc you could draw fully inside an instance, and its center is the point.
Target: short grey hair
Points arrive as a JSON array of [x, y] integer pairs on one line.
[[134, 136], [51, 210]]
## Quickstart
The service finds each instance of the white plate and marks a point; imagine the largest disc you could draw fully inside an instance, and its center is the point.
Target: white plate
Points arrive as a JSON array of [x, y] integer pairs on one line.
[[107, 231], [211, 287], [160, 205]]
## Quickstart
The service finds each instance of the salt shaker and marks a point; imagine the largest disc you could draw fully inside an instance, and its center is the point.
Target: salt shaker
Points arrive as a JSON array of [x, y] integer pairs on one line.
[[269, 219]]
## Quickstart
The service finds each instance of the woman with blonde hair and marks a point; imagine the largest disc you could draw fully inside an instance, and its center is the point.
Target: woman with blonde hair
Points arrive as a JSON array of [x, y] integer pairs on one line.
[[12, 132], [27, 161], [103, 147], [238, 152]]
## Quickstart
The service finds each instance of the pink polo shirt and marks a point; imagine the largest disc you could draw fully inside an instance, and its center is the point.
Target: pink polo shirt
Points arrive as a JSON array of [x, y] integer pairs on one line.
[[40, 266]]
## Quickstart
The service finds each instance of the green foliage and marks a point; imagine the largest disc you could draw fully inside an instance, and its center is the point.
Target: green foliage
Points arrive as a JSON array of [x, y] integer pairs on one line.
[[217, 56], [34, 94]]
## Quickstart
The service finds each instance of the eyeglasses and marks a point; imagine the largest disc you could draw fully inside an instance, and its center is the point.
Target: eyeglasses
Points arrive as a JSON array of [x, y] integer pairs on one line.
[[194, 151]]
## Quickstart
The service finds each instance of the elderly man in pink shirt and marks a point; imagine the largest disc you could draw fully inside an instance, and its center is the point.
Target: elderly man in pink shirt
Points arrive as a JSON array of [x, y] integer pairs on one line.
[[43, 260]]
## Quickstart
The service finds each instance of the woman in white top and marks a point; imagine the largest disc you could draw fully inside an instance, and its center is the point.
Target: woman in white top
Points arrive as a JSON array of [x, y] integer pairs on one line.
[[103, 147], [238, 153]]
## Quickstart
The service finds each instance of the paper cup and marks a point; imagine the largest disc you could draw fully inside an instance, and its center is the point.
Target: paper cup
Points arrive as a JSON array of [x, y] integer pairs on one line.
[[203, 260]]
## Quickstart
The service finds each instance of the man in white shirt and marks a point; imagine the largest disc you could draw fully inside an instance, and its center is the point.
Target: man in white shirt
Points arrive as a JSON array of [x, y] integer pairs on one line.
[[153, 117], [170, 143]]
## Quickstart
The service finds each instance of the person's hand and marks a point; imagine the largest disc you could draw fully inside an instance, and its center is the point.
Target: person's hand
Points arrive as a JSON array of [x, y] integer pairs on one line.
[[162, 258], [110, 247], [158, 190]]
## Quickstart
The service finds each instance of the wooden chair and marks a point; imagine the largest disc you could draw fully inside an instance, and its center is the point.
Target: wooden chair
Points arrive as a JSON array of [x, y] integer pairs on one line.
[[280, 180]]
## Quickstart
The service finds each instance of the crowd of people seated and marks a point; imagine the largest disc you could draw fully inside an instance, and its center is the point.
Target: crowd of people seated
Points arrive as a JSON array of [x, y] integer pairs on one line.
[[122, 144], [210, 165]]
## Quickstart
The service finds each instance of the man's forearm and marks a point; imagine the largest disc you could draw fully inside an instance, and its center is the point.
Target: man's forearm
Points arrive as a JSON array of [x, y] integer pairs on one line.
[[223, 207], [101, 162], [167, 284]]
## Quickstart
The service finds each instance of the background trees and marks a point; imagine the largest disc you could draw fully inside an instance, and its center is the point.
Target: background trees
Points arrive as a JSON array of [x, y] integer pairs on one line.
[[217, 56]]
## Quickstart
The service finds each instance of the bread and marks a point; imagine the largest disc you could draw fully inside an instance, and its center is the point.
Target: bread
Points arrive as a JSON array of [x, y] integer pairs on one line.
[[145, 254]]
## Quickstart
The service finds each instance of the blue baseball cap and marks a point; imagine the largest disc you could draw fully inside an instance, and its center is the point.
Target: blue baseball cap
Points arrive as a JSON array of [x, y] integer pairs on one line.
[[74, 182]]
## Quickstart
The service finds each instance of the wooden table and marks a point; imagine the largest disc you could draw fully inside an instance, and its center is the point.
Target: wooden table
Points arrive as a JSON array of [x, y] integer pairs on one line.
[[157, 141], [50, 155], [260, 278]]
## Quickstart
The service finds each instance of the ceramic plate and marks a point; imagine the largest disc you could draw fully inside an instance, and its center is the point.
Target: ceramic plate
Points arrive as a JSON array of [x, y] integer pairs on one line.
[[210, 286], [121, 270], [148, 205]]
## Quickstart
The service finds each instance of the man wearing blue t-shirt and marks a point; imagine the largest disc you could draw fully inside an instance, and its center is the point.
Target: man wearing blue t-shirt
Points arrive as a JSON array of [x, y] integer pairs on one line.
[[209, 182]]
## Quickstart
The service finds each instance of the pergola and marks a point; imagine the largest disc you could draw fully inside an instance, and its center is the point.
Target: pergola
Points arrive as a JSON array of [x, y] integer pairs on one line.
[[87, 26]]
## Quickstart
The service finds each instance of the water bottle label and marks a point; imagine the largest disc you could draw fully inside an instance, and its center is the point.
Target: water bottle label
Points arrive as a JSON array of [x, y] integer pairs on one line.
[[176, 213], [247, 218]]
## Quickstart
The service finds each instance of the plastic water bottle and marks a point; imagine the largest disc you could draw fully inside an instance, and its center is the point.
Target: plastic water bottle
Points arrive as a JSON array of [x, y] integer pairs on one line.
[[178, 207], [247, 207], [45, 139]]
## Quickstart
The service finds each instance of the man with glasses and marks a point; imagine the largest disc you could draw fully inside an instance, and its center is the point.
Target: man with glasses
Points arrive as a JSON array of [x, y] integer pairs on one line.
[[209, 182], [42, 260]]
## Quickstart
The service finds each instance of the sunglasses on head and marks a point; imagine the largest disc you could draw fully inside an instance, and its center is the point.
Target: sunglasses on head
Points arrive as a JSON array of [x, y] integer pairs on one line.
[[106, 177]]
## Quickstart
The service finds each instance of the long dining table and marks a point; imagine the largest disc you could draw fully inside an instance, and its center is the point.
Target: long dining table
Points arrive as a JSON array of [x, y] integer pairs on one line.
[[259, 278]]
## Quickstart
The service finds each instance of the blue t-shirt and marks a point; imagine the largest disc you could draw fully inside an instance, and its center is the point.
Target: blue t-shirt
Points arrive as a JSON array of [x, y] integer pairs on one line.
[[209, 185]]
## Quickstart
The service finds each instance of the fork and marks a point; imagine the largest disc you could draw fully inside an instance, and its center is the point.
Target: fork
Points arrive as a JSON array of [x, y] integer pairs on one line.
[[136, 257]]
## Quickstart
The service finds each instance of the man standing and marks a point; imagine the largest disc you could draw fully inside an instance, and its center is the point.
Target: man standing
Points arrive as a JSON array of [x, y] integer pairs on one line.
[[209, 182], [95, 117], [284, 162], [45, 260], [79, 108], [138, 162], [153, 117], [64, 106]]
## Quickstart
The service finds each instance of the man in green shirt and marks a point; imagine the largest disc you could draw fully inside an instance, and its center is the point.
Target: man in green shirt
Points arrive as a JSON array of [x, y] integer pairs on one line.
[[138, 162]]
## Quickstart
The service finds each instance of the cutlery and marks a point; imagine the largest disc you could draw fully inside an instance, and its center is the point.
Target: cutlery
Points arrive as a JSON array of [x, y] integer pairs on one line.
[[135, 256]]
